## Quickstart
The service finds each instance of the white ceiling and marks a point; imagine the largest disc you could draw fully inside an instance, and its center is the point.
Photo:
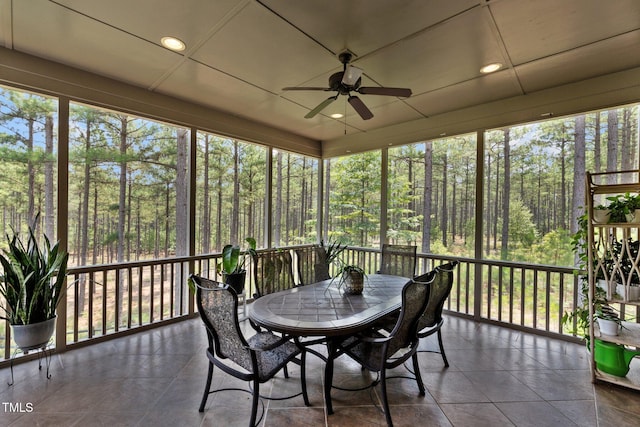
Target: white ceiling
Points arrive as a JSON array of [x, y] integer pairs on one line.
[[241, 53]]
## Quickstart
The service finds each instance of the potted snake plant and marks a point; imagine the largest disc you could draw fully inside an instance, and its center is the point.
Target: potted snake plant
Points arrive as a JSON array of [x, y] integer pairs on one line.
[[31, 284]]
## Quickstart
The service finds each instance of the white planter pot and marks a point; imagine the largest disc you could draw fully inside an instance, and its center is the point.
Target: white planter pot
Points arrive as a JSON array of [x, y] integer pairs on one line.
[[33, 336], [601, 216], [628, 293], [608, 327], [634, 217]]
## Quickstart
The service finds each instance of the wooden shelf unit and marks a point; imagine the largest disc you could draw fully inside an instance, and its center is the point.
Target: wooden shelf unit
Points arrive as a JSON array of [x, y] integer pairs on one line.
[[600, 245]]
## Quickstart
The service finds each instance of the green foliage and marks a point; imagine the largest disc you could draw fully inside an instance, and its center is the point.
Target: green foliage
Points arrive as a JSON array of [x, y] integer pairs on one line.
[[32, 279], [334, 249], [622, 205], [355, 197], [552, 249], [580, 315], [232, 260]]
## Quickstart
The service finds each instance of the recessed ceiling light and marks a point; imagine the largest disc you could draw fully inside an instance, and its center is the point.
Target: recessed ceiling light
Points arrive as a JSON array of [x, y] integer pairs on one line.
[[337, 116], [173, 43], [490, 68]]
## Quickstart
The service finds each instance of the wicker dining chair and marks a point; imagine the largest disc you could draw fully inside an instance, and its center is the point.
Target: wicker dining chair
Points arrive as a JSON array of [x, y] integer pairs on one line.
[[257, 358], [379, 352], [398, 260]]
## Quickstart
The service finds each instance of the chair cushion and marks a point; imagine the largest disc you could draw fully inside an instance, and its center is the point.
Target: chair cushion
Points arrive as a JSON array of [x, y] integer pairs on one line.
[[270, 361]]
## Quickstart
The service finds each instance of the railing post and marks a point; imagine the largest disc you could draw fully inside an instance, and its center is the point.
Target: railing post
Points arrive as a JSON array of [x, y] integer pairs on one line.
[[63, 210], [477, 280]]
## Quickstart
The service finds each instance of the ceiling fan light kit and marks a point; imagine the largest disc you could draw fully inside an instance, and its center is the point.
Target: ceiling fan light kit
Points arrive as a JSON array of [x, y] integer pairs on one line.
[[346, 81], [351, 75]]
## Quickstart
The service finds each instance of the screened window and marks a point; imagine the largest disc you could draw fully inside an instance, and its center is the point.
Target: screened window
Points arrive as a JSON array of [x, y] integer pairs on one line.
[[295, 199], [127, 187], [28, 156], [431, 201], [535, 178], [353, 210], [230, 192]]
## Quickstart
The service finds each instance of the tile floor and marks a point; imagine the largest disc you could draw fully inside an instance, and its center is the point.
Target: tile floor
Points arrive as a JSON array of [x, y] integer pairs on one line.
[[497, 377]]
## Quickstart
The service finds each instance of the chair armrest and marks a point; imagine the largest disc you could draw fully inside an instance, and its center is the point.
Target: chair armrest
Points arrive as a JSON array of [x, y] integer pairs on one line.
[[273, 345], [374, 340]]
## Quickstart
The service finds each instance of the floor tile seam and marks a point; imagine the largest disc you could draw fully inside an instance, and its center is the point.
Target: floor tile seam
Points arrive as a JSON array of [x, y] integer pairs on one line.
[[475, 386], [158, 398], [516, 424]]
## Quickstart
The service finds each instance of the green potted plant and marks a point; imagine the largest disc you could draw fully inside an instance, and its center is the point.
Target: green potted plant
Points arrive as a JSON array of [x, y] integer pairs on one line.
[[601, 308], [622, 208], [352, 278], [232, 265], [32, 284]]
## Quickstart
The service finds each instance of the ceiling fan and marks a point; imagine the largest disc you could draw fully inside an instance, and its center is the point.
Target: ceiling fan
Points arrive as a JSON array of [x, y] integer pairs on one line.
[[346, 81]]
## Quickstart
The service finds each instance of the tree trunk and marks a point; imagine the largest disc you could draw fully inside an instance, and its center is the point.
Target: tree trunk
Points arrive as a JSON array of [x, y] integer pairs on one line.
[[206, 214], [235, 213], [563, 181], [277, 220], [48, 180], [612, 145], [597, 152], [443, 220], [487, 249], [122, 199], [579, 170], [84, 212], [506, 192], [31, 172], [327, 189], [625, 145]]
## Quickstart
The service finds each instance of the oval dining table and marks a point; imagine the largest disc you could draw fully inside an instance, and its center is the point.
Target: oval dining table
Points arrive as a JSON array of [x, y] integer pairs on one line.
[[324, 310]]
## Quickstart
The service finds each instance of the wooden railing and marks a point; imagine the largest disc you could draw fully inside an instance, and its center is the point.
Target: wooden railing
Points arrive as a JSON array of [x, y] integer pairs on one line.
[[517, 295], [108, 300]]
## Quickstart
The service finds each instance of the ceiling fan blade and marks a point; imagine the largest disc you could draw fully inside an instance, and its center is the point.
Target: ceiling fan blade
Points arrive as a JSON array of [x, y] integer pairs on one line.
[[305, 88], [320, 107], [360, 108], [388, 91]]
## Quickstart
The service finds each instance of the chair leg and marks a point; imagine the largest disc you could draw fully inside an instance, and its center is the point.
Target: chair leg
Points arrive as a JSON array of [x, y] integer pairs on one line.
[[286, 371], [303, 377], [206, 388], [256, 398], [416, 370], [444, 356], [385, 400]]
